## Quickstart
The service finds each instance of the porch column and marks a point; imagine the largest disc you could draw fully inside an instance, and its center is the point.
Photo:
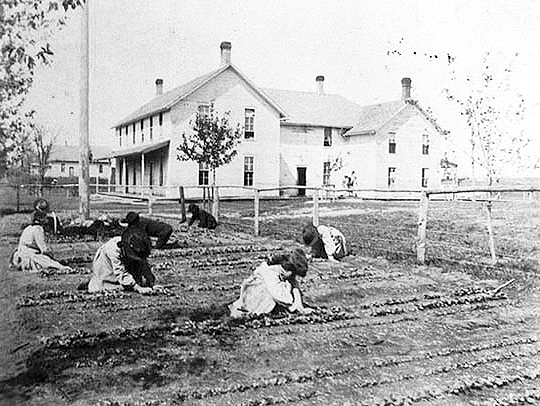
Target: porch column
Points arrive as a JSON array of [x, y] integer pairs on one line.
[[142, 174], [124, 174]]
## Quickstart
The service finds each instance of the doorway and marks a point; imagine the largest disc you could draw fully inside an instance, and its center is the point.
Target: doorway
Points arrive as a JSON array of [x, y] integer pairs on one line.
[[301, 179]]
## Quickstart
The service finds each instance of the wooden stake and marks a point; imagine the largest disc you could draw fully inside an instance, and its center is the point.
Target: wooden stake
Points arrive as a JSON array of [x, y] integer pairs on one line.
[[316, 207], [256, 212], [422, 227], [215, 202], [490, 232]]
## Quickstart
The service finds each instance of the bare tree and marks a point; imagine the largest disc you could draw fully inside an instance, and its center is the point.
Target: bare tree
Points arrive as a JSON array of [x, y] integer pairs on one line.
[[494, 112], [43, 143]]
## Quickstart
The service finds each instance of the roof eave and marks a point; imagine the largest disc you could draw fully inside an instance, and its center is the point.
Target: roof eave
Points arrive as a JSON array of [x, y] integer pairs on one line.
[[142, 116]]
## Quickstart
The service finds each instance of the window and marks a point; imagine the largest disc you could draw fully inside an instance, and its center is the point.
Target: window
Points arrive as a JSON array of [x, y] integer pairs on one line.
[[391, 176], [151, 126], [133, 133], [120, 137], [62, 167], [248, 171], [249, 123], [160, 119], [326, 174], [392, 143], [142, 130], [100, 168], [425, 144], [203, 174], [134, 174], [327, 142], [71, 171], [204, 110], [425, 173]]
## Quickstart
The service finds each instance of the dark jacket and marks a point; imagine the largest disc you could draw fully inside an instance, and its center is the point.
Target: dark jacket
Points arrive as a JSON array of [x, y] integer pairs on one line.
[[206, 220]]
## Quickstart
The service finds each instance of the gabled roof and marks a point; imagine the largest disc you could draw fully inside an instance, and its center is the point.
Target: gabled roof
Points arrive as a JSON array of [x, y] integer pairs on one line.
[[70, 153], [372, 117], [168, 99], [309, 108]]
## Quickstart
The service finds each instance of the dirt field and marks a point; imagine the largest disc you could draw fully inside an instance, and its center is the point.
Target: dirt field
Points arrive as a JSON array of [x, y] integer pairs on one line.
[[386, 331]]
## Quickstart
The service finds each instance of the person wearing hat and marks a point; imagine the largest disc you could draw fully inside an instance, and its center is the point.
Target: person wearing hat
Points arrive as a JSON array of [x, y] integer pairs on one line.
[[32, 253], [121, 263], [273, 283], [326, 242], [158, 229]]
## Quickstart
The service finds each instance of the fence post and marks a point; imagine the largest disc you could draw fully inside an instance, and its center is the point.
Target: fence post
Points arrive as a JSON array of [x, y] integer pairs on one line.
[[316, 207], [182, 202], [490, 231], [150, 204], [18, 198], [422, 226], [256, 212], [215, 202]]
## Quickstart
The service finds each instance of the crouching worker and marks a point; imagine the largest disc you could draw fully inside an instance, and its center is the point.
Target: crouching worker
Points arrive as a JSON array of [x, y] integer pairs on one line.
[[326, 242], [32, 253], [206, 220], [273, 283], [121, 263], [153, 228]]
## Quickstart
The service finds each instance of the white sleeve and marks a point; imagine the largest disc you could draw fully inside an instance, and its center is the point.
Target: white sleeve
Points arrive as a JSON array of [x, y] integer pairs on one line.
[[123, 277], [329, 243]]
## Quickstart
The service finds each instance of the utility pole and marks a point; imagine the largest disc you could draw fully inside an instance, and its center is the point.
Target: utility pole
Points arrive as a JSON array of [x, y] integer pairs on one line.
[[84, 157]]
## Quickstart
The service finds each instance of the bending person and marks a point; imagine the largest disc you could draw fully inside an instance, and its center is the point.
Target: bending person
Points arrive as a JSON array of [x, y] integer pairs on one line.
[[32, 253], [121, 263], [273, 283], [326, 242], [153, 228]]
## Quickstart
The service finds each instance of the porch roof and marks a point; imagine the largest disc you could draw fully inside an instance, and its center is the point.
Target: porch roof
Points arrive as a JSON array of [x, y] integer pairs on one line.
[[141, 149]]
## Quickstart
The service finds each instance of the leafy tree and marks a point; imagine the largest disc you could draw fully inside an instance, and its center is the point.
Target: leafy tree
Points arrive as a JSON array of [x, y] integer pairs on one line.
[[212, 142], [494, 112], [25, 28]]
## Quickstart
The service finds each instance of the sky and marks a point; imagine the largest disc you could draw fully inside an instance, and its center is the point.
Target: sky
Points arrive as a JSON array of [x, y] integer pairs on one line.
[[363, 48]]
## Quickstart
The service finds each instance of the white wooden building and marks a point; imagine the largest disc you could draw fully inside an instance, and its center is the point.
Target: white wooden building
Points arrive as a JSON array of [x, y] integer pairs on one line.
[[288, 138]]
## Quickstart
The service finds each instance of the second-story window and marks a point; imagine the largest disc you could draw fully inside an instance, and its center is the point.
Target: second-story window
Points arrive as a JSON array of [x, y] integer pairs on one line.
[[151, 127], [326, 174], [203, 174], [249, 123], [62, 167], [133, 133], [120, 136], [392, 143], [71, 171], [160, 119], [248, 171], [100, 168], [425, 144], [142, 130], [327, 141]]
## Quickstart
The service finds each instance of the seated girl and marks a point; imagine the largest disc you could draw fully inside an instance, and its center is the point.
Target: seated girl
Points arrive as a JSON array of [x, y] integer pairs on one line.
[[273, 283]]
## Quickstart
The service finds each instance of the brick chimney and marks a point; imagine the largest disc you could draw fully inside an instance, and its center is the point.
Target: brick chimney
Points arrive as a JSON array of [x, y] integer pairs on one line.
[[320, 84], [159, 87], [405, 89], [225, 53]]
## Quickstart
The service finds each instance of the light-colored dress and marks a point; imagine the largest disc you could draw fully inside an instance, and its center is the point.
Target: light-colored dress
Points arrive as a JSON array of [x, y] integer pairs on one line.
[[31, 253], [260, 293], [334, 241], [109, 273]]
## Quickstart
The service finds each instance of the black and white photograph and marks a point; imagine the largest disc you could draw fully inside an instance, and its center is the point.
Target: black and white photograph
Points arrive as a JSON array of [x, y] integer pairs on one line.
[[286, 202]]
